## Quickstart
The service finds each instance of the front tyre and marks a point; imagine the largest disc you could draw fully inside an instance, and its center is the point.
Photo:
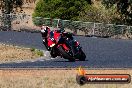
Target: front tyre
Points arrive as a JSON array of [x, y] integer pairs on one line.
[[82, 56], [65, 54], [53, 53]]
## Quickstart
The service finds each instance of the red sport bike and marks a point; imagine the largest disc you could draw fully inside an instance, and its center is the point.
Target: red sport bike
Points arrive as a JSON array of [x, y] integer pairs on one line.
[[61, 43]]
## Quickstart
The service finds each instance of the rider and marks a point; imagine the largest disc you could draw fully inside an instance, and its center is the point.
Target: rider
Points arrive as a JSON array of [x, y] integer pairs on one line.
[[47, 33], [44, 31]]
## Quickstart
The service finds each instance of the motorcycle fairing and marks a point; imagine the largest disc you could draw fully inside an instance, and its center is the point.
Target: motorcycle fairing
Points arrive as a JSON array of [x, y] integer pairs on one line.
[[50, 43], [64, 46]]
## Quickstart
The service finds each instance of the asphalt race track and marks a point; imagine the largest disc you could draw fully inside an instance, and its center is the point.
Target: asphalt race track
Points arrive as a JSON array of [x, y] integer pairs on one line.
[[100, 52]]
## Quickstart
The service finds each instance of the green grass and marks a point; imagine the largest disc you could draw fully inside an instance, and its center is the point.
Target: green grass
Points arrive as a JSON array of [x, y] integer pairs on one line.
[[32, 49], [38, 52]]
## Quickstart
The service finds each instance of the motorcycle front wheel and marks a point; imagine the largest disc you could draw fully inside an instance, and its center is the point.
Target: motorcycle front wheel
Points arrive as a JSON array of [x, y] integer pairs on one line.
[[53, 52], [82, 55], [65, 55]]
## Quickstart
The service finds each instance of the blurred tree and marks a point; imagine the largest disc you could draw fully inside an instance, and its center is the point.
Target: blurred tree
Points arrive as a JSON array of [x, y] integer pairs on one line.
[[63, 9], [124, 9]]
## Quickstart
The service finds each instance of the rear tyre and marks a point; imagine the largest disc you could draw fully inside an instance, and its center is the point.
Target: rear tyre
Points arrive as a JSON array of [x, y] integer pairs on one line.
[[65, 54]]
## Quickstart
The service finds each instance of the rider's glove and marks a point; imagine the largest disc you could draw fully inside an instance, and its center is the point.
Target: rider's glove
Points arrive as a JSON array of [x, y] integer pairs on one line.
[[42, 31]]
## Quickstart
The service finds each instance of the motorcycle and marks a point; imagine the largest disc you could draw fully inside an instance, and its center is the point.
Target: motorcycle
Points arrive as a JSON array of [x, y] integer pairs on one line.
[[63, 44]]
